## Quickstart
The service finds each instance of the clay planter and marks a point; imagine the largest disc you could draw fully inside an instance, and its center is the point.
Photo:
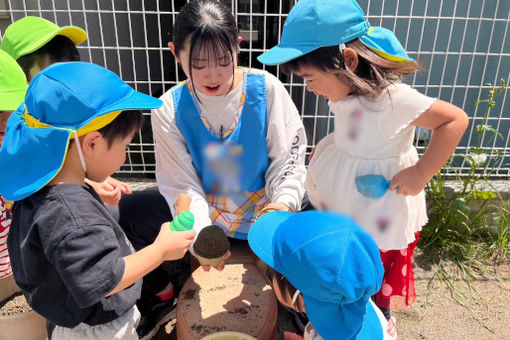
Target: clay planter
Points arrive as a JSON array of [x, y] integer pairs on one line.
[[8, 287], [238, 299], [228, 336], [24, 326]]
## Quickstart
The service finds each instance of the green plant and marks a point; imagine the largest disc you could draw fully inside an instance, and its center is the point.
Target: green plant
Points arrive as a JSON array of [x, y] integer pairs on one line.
[[469, 224]]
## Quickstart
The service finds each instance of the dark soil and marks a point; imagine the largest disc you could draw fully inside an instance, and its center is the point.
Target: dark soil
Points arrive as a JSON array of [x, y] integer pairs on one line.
[[211, 242]]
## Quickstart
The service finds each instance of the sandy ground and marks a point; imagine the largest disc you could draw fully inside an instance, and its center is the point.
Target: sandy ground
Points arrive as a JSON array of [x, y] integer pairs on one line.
[[468, 313]]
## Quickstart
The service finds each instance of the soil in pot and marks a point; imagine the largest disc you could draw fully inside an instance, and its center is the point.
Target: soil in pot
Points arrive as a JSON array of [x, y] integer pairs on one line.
[[19, 322], [211, 245], [14, 305]]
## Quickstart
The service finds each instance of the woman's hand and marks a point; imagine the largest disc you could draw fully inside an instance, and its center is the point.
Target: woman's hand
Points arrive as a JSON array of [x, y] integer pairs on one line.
[[292, 336], [182, 203], [277, 206], [272, 207], [219, 267]]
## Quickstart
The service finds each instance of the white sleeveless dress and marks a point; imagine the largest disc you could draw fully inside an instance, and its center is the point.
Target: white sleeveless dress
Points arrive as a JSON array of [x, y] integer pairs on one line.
[[371, 136]]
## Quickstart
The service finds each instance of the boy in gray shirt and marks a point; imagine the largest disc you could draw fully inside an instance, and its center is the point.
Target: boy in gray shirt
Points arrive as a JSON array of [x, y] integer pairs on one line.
[[71, 259]]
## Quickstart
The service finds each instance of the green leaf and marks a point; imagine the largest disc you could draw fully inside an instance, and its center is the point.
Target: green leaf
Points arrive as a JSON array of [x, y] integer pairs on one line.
[[460, 207], [487, 127], [484, 195]]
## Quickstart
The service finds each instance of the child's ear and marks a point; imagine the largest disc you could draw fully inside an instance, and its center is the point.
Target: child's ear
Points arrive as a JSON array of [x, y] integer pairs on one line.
[[171, 46], [351, 59], [90, 142]]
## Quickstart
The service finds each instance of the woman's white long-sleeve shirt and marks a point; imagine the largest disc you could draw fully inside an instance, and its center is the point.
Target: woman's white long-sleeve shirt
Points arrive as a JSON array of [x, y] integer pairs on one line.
[[285, 139]]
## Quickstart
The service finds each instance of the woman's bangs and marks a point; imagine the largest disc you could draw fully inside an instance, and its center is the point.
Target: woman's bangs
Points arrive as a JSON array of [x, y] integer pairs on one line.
[[212, 46]]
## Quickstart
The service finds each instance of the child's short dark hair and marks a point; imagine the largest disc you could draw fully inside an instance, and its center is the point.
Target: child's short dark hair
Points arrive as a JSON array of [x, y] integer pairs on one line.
[[125, 124], [209, 24], [372, 76], [58, 49]]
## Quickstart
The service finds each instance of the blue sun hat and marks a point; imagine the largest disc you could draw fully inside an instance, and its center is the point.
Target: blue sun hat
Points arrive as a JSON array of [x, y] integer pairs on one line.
[[63, 101], [332, 261], [312, 24]]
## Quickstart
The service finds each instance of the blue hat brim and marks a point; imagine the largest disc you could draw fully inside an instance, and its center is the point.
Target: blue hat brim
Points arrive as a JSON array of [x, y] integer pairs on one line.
[[103, 92], [137, 101], [261, 235], [29, 168], [357, 320], [282, 54]]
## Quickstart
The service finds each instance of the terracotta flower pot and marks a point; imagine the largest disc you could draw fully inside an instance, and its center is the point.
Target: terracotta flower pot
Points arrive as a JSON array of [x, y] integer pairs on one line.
[[238, 299], [228, 336], [24, 326], [7, 287]]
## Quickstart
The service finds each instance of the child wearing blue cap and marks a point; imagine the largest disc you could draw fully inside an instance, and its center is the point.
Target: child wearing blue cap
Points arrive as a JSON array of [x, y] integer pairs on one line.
[[335, 267], [69, 256], [226, 119], [359, 68], [35, 43]]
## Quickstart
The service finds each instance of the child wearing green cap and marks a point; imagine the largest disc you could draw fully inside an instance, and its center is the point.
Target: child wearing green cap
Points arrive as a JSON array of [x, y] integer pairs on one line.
[[69, 256], [36, 43], [359, 68], [13, 86]]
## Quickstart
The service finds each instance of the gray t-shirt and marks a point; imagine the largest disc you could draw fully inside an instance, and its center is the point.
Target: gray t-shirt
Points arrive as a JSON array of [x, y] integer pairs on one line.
[[66, 255]]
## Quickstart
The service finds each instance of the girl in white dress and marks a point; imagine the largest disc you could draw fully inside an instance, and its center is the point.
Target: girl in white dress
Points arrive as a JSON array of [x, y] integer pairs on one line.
[[358, 68]]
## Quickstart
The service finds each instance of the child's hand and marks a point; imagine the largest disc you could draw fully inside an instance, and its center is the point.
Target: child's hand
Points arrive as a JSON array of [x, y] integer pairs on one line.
[[392, 329], [107, 193], [125, 189], [409, 181], [173, 245]]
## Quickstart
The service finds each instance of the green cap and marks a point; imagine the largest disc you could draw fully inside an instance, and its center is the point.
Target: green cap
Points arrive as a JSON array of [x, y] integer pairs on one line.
[[29, 34], [13, 83], [183, 221]]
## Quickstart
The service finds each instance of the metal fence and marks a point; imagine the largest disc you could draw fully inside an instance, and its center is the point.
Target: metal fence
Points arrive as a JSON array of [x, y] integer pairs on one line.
[[463, 44]]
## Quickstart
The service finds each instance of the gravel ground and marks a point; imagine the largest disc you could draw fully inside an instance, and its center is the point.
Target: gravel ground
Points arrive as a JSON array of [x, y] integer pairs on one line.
[[468, 313]]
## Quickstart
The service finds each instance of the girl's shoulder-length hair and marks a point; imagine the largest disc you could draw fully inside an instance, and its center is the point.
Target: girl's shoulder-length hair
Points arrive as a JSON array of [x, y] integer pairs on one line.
[[372, 75]]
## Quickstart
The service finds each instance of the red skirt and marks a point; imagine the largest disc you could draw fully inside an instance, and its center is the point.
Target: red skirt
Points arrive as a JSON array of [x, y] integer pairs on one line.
[[397, 289]]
